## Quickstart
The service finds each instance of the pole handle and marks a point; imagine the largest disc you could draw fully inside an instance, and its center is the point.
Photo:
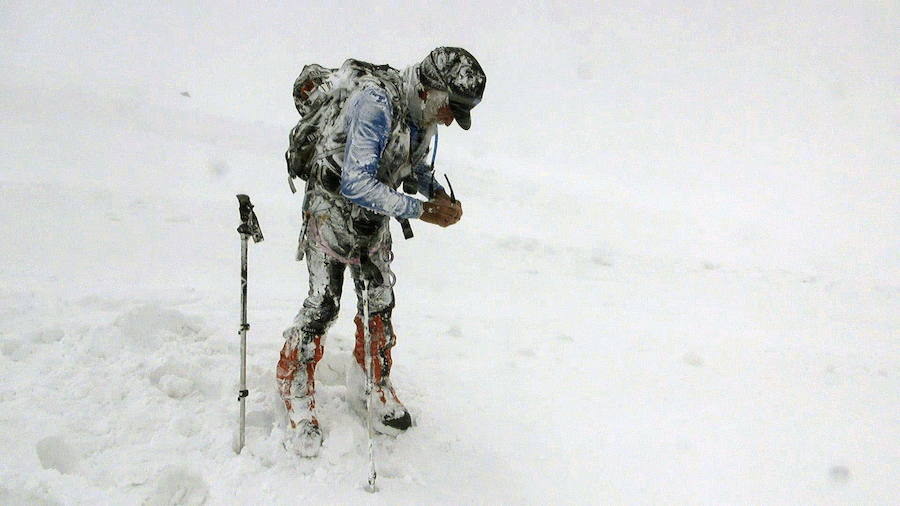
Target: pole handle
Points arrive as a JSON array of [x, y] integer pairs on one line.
[[249, 223]]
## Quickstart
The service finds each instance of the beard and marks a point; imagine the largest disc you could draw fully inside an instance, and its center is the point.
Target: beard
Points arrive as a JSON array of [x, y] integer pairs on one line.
[[434, 101]]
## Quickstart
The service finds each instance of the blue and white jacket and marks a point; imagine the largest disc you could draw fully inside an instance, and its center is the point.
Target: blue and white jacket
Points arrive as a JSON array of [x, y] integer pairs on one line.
[[370, 173]]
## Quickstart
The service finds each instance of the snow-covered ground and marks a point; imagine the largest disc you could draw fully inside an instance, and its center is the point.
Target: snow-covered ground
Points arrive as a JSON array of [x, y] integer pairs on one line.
[[676, 281]]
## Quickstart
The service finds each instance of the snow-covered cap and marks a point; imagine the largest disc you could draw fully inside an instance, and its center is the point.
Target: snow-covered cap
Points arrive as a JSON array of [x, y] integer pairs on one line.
[[456, 71]]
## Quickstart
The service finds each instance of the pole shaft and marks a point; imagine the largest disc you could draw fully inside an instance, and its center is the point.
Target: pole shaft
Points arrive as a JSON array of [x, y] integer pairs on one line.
[[243, 333], [243, 280], [370, 381]]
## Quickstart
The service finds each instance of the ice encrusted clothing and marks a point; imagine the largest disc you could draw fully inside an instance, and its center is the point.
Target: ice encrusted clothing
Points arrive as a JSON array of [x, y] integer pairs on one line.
[[368, 126]]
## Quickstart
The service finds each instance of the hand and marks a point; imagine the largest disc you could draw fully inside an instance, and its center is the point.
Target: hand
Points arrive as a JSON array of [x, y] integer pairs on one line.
[[441, 211]]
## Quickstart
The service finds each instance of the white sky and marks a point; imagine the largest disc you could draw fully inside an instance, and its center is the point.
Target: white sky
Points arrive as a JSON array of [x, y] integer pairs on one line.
[[766, 110]]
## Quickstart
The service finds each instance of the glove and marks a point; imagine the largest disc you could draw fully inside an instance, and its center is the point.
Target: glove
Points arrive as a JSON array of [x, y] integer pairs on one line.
[[441, 211]]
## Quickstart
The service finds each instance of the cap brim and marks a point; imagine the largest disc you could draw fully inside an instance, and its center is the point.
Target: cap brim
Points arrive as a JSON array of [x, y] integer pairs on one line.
[[462, 116]]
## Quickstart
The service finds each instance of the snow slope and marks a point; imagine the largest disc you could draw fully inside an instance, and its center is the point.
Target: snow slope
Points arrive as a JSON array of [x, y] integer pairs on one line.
[[629, 312]]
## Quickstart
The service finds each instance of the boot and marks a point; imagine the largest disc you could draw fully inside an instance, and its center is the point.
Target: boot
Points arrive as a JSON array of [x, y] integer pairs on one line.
[[389, 415], [297, 386]]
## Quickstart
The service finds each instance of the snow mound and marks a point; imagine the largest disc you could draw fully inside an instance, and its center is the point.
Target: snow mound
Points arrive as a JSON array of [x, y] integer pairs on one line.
[[13, 350], [46, 336], [175, 387], [178, 485], [179, 379], [55, 453], [151, 325], [332, 368], [341, 441]]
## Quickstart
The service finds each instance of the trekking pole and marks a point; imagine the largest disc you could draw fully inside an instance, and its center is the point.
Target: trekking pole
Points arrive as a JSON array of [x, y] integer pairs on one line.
[[249, 227], [369, 387]]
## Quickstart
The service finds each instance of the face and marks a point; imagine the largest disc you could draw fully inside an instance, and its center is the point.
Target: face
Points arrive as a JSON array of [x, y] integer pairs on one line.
[[437, 108]]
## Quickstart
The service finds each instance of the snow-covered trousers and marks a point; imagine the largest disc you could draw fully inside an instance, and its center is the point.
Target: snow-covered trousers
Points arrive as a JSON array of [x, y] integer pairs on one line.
[[337, 235]]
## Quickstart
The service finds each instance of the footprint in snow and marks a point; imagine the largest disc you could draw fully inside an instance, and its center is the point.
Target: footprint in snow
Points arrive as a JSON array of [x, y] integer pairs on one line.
[[184, 425], [839, 474], [692, 359], [601, 259]]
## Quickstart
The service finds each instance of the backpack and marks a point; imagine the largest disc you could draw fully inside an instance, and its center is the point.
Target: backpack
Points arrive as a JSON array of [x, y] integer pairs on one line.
[[319, 95]]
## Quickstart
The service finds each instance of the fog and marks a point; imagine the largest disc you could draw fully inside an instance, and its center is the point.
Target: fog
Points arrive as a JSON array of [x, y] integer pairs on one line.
[[780, 114]]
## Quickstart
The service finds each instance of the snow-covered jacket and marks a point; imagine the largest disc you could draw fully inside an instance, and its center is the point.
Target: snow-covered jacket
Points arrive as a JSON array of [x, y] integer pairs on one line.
[[373, 146], [371, 173]]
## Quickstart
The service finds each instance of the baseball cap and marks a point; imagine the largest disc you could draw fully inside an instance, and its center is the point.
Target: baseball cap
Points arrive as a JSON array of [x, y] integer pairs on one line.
[[456, 71]]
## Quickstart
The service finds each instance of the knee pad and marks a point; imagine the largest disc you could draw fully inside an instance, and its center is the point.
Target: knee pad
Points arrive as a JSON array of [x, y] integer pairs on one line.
[[316, 320]]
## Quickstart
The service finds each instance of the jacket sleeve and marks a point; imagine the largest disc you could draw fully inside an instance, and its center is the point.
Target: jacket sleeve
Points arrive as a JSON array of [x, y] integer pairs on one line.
[[368, 128], [428, 183]]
